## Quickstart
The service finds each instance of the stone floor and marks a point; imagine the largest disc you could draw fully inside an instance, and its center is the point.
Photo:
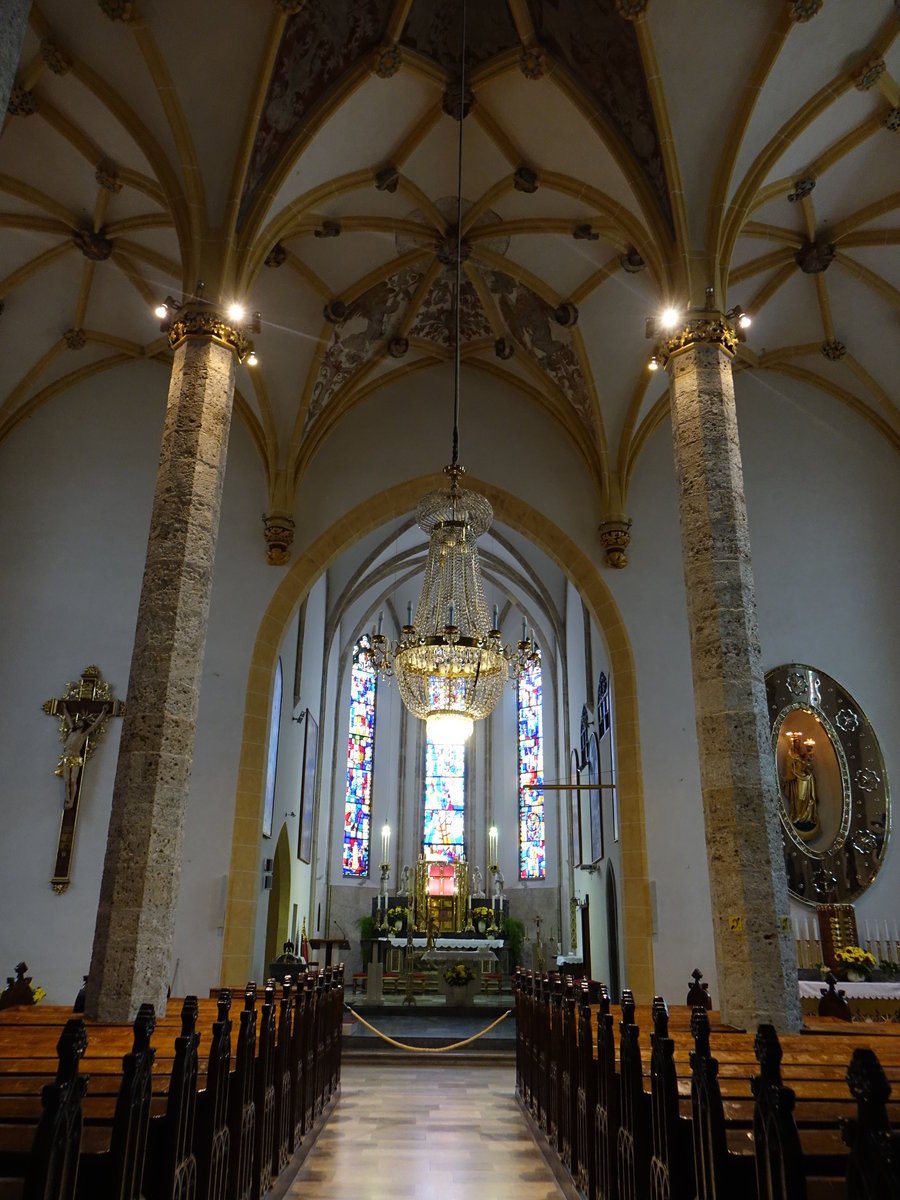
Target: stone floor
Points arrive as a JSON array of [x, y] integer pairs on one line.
[[444, 1132]]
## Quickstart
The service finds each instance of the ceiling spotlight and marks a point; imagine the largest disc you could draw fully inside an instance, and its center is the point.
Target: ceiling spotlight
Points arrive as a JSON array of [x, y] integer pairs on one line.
[[161, 311], [653, 364], [252, 360], [236, 312], [743, 319], [669, 318]]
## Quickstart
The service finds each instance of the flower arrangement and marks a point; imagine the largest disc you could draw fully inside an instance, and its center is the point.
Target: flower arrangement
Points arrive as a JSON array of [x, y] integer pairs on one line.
[[459, 975], [396, 914], [854, 958], [481, 913]]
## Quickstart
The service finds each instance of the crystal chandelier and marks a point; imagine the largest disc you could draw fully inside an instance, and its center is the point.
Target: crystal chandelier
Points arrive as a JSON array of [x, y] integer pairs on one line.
[[450, 663]]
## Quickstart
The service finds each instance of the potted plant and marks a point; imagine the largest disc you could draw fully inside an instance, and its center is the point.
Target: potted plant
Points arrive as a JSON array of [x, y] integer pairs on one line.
[[481, 916], [515, 941], [856, 964]]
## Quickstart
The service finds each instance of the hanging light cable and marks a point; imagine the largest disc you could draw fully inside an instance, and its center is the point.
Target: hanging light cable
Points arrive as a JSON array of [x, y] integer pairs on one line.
[[450, 663]]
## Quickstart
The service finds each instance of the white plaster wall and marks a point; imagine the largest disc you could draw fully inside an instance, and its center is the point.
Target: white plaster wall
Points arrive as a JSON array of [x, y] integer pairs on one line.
[[76, 490], [823, 494]]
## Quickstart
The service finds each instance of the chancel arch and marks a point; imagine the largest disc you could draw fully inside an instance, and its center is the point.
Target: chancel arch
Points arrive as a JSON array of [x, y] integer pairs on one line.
[[325, 551]]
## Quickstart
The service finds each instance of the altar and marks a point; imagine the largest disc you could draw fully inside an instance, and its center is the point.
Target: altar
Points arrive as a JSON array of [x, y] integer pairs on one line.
[[868, 1001]]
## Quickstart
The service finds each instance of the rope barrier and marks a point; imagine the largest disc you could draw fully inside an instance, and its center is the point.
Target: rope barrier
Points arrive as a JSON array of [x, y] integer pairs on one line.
[[427, 1049]]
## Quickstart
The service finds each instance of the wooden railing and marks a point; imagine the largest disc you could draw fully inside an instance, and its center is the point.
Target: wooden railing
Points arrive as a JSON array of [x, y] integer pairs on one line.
[[637, 1132], [176, 1129]]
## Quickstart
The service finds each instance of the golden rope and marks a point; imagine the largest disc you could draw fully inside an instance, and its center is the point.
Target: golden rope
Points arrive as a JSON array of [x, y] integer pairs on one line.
[[428, 1049]]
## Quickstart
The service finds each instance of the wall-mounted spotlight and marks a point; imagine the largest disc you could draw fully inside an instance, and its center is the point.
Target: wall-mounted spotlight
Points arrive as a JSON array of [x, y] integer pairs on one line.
[[252, 359], [743, 319], [653, 364], [236, 312]]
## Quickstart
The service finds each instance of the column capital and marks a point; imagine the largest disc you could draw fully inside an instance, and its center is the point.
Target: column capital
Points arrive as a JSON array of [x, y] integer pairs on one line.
[[615, 535], [198, 320], [279, 534], [710, 329]]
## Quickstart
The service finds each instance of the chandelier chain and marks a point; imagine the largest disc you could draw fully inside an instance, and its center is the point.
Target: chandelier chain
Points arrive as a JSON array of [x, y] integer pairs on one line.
[[459, 166]]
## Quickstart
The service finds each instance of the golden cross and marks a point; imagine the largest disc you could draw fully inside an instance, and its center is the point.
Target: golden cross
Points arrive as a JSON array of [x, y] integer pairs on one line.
[[82, 712]]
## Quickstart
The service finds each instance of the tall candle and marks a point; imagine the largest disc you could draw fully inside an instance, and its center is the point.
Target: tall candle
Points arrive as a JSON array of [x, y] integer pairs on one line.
[[386, 843], [496, 616], [524, 629], [409, 612], [380, 621], [493, 841]]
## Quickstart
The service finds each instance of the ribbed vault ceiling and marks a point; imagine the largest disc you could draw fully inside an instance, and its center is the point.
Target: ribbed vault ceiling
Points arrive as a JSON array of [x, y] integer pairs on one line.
[[301, 156]]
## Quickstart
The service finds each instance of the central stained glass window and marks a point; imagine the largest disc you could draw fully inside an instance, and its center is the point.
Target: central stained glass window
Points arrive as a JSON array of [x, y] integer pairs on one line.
[[532, 858], [360, 759], [445, 801]]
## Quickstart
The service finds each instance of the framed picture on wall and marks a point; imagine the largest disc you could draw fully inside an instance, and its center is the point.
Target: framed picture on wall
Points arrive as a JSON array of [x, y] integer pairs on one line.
[[272, 759], [308, 786], [577, 849], [596, 801]]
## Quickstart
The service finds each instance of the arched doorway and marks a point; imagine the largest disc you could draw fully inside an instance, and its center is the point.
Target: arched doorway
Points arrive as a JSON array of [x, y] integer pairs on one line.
[[277, 930]]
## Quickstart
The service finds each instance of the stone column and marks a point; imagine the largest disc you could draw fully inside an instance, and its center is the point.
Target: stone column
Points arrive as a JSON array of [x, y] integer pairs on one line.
[[13, 23], [142, 870], [754, 950]]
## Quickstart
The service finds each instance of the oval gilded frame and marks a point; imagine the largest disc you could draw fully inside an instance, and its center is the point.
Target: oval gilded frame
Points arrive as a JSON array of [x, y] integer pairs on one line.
[[838, 864]]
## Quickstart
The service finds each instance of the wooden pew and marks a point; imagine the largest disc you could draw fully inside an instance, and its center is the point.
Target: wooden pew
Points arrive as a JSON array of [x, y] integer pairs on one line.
[[779, 1132], [210, 1135]]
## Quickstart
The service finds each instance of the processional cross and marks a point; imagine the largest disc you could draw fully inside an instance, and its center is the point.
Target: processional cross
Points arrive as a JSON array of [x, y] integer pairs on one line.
[[82, 712]]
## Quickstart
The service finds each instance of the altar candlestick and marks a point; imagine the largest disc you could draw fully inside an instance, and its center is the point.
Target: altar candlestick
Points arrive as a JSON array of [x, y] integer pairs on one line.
[[386, 844], [493, 840]]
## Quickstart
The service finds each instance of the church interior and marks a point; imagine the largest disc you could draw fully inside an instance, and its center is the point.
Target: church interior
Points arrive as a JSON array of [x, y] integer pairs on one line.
[[282, 229]]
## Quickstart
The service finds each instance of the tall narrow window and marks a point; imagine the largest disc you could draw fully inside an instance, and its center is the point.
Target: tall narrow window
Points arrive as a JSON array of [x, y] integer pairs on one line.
[[360, 759], [532, 859], [445, 801]]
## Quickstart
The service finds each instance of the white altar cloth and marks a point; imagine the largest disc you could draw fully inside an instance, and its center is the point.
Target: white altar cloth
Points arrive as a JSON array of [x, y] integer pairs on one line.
[[451, 943], [811, 989]]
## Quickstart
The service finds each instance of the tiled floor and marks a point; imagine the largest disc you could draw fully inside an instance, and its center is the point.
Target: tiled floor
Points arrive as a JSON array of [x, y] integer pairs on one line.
[[438, 1131]]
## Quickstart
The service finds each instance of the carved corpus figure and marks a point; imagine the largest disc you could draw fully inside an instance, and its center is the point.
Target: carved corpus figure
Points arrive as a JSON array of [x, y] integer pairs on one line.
[[76, 733]]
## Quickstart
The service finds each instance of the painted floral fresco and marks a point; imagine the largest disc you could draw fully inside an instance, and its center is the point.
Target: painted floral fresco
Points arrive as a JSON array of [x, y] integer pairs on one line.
[[436, 316], [601, 52], [434, 30], [319, 45], [530, 321], [369, 321]]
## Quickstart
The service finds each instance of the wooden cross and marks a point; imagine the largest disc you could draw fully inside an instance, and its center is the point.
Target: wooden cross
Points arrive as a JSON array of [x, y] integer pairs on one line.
[[82, 712]]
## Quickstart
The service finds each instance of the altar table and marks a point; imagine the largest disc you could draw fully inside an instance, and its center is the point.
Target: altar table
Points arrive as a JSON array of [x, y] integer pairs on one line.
[[868, 1001]]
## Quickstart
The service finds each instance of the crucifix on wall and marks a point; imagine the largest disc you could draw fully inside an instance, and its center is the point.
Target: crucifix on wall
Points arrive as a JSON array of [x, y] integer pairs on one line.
[[82, 712]]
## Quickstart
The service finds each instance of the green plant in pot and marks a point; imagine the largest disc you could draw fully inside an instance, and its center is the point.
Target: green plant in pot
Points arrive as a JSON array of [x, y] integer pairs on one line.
[[515, 941]]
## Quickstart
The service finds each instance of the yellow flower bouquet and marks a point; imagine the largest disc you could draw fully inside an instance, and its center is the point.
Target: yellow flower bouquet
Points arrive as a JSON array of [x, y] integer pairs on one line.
[[854, 958], [459, 975]]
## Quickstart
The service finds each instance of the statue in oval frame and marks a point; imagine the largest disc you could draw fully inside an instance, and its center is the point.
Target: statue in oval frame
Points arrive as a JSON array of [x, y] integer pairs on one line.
[[835, 798]]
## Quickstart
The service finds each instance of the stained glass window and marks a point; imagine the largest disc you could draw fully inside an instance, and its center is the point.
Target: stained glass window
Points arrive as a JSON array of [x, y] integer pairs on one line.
[[532, 860], [445, 801], [360, 759]]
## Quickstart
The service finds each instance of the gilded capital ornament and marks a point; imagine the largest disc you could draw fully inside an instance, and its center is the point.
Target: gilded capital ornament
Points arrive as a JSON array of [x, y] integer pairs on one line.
[[701, 330], [279, 534], [198, 321], [614, 538]]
